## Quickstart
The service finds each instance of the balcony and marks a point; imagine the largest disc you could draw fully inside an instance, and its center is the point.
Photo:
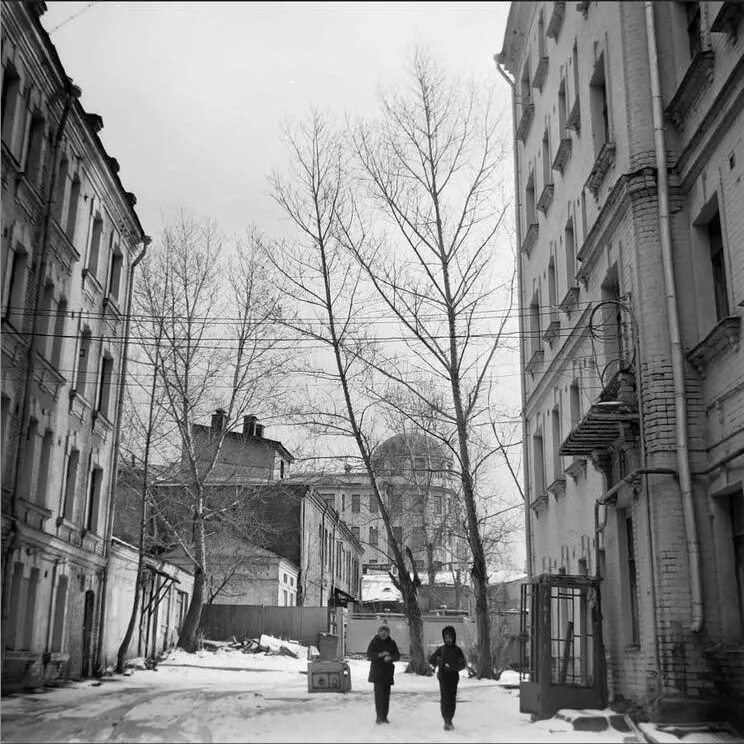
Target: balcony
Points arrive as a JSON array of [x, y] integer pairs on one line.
[[530, 238], [541, 72], [604, 423], [546, 198], [723, 337], [563, 154], [556, 20], [728, 18], [602, 165], [525, 121], [698, 77]]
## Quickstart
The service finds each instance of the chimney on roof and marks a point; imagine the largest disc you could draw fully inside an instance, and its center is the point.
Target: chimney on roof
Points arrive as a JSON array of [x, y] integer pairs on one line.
[[259, 430], [218, 419], [250, 425]]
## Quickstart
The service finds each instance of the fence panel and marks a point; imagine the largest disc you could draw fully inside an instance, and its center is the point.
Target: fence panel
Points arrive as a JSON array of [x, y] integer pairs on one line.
[[303, 624]]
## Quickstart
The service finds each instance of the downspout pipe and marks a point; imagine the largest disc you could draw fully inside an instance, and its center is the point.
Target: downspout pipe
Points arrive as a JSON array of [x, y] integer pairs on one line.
[[144, 241], [611, 495], [678, 370], [518, 226]]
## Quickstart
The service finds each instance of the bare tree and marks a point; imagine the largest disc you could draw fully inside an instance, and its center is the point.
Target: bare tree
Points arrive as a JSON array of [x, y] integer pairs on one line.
[[317, 273], [432, 163], [208, 335]]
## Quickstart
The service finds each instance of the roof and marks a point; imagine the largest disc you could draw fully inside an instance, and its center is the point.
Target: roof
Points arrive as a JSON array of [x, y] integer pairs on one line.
[[517, 28], [239, 436]]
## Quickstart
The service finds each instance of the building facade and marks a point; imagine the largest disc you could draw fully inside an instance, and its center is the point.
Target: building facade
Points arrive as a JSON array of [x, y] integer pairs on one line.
[[418, 486], [70, 237], [629, 159]]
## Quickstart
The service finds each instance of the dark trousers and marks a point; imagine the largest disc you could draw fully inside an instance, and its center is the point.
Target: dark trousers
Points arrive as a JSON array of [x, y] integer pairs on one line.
[[382, 700], [448, 695]]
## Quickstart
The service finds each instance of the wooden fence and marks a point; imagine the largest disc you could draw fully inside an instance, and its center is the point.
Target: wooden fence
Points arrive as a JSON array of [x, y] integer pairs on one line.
[[303, 624]]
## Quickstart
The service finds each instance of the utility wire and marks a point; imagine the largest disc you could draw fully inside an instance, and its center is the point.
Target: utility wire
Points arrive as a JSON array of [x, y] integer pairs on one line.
[[73, 17]]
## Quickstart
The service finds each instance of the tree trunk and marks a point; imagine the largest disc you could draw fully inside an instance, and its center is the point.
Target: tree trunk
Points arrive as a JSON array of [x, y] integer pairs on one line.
[[430, 568], [418, 663], [121, 655], [188, 638]]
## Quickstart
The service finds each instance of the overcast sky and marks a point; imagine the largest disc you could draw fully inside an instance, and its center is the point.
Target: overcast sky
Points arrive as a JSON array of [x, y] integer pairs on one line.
[[192, 94]]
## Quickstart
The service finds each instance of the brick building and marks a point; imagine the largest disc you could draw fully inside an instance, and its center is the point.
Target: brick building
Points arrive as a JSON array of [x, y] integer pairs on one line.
[[70, 237], [631, 293]]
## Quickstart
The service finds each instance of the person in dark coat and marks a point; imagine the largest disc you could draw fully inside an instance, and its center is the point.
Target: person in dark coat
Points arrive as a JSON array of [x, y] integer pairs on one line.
[[382, 652], [449, 660]]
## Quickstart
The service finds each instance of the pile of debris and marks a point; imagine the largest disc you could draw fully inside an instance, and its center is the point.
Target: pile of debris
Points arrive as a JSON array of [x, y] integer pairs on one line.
[[264, 645]]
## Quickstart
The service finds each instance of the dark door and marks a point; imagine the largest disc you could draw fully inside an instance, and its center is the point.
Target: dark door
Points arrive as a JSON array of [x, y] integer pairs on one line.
[[88, 618]]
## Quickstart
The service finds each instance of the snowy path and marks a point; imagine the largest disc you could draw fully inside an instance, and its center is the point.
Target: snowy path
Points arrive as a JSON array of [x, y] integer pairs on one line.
[[235, 697]]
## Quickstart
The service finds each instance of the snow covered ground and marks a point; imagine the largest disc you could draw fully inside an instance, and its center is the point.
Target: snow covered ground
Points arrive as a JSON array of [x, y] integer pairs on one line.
[[230, 696]]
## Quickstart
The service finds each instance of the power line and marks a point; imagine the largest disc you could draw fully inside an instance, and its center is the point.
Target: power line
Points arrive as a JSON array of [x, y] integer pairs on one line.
[[73, 17]]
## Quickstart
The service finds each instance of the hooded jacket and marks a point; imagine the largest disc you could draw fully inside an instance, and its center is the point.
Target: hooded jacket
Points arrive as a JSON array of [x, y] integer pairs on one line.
[[381, 671], [448, 660]]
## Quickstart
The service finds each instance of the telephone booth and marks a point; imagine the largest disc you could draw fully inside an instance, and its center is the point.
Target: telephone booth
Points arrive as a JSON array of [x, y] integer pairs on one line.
[[561, 650]]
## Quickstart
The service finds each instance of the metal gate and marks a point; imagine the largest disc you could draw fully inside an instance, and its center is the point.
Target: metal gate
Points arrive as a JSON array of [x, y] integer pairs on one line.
[[561, 649]]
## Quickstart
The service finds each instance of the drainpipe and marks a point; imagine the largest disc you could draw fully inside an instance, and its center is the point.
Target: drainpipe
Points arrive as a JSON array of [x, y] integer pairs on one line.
[[678, 371], [71, 92], [145, 241], [517, 223]]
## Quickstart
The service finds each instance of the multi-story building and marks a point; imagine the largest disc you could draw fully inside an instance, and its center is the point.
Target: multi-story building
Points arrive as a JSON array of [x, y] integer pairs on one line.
[[418, 485], [70, 237], [629, 177], [309, 541]]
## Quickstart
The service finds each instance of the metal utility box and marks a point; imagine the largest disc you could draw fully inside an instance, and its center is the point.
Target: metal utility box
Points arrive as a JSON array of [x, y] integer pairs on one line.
[[562, 654], [328, 646], [328, 676]]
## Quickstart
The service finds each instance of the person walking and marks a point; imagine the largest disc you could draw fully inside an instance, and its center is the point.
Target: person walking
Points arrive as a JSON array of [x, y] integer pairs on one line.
[[382, 653], [449, 660]]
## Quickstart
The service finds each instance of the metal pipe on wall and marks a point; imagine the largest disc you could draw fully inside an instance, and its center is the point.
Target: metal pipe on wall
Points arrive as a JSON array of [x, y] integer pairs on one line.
[[677, 353]]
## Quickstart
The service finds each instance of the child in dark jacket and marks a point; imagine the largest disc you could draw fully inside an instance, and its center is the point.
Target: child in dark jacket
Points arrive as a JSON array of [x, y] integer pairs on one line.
[[449, 659], [382, 653]]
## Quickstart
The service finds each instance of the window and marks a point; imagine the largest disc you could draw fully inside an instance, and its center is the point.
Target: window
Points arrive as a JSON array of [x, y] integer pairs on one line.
[[6, 427], [284, 578], [552, 290], [181, 601], [83, 361], [575, 400], [70, 484], [718, 266], [9, 102], [59, 333], [373, 504], [437, 504], [555, 416], [104, 392], [575, 64], [60, 187], [398, 535], [17, 286], [570, 242], [562, 108], [535, 323], [95, 245], [281, 469], [632, 578], [42, 484], [547, 159], [355, 532], [72, 209], [31, 592], [115, 276], [524, 82], [396, 504], [599, 106], [59, 614], [29, 461], [94, 500], [35, 151], [330, 499], [286, 597], [291, 580], [45, 319], [736, 505], [539, 465], [373, 537], [529, 200], [355, 502]]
